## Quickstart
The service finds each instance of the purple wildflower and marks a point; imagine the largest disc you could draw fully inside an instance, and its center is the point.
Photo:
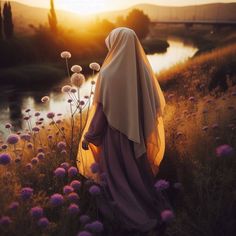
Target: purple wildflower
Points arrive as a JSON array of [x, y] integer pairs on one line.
[[36, 212], [28, 166], [50, 115], [94, 168], [94, 227], [13, 139], [26, 193], [73, 197], [13, 206], [8, 126], [5, 220], [34, 161], [73, 209], [84, 219], [43, 222], [75, 184], [25, 137], [30, 145], [4, 146], [94, 190], [72, 171], [60, 172], [61, 145], [5, 159], [56, 199], [67, 189], [65, 165], [36, 129], [41, 156], [167, 215], [224, 150], [162, 185], [84, 233]]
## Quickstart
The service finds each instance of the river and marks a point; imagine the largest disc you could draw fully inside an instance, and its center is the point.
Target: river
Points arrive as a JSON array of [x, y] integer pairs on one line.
[[14, 101]]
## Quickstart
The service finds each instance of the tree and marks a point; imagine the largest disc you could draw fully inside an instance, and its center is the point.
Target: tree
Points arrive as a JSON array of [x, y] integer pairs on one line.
[[139, 22], [1, 34], [52, 17], [8, 26]]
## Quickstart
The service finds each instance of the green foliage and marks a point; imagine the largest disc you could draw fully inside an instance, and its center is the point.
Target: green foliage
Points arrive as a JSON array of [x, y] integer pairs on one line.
[[8, 26], [52, 17]]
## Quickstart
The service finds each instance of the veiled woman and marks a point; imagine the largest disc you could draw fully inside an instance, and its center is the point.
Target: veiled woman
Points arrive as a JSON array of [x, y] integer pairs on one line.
[[123, 142]]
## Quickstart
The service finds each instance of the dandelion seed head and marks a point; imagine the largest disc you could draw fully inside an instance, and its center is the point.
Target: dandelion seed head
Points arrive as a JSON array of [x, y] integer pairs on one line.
[[95, 66], [66, 89], [65, 55], [77, 79], [76, 69]]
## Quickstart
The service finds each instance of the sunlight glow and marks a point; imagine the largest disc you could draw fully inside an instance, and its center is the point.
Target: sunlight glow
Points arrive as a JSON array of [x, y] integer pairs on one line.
[[83, 6]]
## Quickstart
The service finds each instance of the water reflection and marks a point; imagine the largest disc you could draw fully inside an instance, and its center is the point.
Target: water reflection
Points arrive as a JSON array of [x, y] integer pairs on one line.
[[14, 101]]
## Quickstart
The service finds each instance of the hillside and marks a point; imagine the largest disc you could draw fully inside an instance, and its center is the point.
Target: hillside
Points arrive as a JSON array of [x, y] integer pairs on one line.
[[25, 15]]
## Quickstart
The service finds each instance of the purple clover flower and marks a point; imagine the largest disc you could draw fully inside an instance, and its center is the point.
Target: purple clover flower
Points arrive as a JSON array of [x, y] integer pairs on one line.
[[26, 193], [61, 145], [72, 171], [73, 209], [50, 115], [94, 190], [5, 221], [84, 219], [56, 199], [36, 212], [65, 165], [161, 185], [60, 172], [5, 159], [13, 206], [43, 222], [84, 233], [13, 139], [75, 184], [224, 150], [73, 197], [34, 161], [67, 189], [41, 156], [167, 215], [94, 227], [95, 168]]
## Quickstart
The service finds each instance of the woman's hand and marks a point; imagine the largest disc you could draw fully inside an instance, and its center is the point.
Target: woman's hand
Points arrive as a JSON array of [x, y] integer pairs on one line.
[[85, 144]]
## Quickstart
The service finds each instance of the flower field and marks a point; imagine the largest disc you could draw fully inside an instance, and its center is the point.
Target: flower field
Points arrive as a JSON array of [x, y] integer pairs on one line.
[[42, 192]]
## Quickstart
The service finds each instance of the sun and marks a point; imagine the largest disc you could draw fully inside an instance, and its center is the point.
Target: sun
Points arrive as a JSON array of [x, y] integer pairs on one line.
[[84, 7]]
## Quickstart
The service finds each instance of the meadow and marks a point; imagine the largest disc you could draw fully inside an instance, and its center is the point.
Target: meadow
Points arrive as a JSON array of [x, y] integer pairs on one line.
[[42, 193]]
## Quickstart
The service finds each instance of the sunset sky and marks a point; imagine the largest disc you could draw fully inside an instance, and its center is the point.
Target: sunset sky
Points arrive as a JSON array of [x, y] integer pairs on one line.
[[94, 6]]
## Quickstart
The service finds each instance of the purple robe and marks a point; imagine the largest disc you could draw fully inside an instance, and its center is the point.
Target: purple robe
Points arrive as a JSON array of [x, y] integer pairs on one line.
[[130, 197]]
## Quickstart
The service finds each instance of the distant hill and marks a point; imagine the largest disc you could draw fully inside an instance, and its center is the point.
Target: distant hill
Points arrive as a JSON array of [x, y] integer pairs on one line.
[[25, 15]]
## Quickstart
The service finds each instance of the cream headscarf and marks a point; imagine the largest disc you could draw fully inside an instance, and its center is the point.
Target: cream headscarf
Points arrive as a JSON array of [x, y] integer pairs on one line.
[[131, 97]]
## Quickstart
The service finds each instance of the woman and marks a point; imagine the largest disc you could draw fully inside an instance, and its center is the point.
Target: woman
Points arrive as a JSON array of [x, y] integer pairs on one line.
[[124, 142]]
